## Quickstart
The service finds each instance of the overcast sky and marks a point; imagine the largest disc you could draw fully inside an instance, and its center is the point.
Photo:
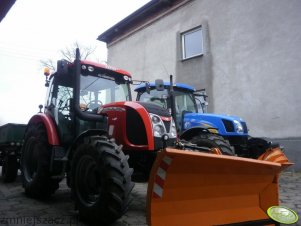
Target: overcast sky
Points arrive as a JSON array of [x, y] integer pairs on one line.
[[34, 30]]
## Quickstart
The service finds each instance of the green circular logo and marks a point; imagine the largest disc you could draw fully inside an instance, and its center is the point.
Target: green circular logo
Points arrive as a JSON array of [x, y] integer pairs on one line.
[[282, 214]]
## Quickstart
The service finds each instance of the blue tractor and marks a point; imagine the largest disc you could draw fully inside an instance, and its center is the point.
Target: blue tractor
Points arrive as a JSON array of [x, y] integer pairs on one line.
[[194, 125]]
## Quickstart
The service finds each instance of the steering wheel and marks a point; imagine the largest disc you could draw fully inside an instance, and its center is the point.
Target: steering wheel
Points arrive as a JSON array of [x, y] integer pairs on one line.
[[159, 101], [157, 98], [94, 104]]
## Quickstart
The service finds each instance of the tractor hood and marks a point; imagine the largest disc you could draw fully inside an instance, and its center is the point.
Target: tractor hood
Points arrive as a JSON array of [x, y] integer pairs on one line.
[[225, 124]]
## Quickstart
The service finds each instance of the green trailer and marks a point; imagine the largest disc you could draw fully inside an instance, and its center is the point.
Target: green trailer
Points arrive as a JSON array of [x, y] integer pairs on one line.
[[11, 141]]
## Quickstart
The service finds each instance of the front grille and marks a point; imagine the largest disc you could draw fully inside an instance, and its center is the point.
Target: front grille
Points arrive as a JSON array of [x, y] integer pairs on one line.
[[135, 128], [228, 125], [167, 125]]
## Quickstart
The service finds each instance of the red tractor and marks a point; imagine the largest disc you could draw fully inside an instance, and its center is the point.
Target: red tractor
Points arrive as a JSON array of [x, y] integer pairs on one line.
[[88, 130]]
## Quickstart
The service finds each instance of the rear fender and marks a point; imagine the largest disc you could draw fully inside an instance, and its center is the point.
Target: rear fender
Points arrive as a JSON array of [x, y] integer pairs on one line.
[[189, 133], [50, 126], [84, 136]]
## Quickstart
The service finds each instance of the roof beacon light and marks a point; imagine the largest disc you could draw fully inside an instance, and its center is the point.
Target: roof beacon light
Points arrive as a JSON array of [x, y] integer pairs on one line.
[[46, 71]]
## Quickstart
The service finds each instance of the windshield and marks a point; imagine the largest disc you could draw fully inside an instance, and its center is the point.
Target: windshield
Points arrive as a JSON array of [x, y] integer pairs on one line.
[[183, 100], [101, 89]]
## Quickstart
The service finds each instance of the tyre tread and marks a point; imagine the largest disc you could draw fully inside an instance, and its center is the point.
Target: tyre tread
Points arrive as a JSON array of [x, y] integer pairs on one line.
[[115, 177]]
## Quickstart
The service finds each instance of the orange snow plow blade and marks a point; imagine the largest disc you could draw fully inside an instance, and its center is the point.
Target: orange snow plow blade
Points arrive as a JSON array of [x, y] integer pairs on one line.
[[194, 188]]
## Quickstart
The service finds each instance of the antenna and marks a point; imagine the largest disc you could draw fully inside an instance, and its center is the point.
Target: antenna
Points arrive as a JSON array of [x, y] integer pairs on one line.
[[172, 100]]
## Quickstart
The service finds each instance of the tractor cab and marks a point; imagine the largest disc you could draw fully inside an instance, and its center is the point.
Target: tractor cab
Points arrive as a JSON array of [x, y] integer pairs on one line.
[[76, 92], [185, 101]]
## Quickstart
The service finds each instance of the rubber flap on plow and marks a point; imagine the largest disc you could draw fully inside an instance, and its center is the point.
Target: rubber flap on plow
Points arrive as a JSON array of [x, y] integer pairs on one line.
[[194, 188]]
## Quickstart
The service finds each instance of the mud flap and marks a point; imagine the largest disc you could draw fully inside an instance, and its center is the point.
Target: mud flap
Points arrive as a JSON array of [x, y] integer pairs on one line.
[[194, 188]]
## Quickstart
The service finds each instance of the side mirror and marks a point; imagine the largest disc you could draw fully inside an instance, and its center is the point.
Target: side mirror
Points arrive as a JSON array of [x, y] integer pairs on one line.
[[201, 93], [159, 85], [40, 107], [62, 67]]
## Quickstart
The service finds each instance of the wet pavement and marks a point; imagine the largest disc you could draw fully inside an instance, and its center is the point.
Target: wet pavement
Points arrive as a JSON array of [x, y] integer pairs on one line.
[[17, 209]]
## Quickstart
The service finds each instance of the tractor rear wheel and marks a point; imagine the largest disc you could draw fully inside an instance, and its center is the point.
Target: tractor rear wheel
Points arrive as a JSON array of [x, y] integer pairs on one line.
[[9, 168], [101, 181], [213, 141], [35, 163]]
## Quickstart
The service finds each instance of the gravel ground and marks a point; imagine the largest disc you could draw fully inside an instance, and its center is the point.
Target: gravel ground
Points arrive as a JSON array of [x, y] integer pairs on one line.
[[17, 209]]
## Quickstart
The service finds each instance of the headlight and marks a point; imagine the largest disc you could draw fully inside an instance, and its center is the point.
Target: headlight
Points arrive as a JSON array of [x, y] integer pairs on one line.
[[238, 127], [158, 130], [90, 68], [159, 126], [173, 130], [155, 119]]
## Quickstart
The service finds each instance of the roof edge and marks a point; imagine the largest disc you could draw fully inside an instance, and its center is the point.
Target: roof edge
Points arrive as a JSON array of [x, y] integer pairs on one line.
[[5, 7], [136, 19]]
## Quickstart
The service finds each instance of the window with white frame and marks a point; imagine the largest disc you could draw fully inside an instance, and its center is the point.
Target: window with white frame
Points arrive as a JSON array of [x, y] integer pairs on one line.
[[192, 43]]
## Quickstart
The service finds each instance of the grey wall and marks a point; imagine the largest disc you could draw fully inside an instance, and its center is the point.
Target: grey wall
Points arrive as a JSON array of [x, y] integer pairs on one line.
[[292, 151], [149, 54], [251, 66], [256, 55]]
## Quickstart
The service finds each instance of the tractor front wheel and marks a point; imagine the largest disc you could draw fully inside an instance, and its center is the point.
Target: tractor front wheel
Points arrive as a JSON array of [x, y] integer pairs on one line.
[[210, 140], [35, 163], [101, 181]]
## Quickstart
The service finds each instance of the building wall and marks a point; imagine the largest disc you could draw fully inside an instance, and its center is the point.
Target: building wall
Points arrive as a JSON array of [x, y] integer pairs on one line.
[[150, 53], [256, 59], [251, 65]]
